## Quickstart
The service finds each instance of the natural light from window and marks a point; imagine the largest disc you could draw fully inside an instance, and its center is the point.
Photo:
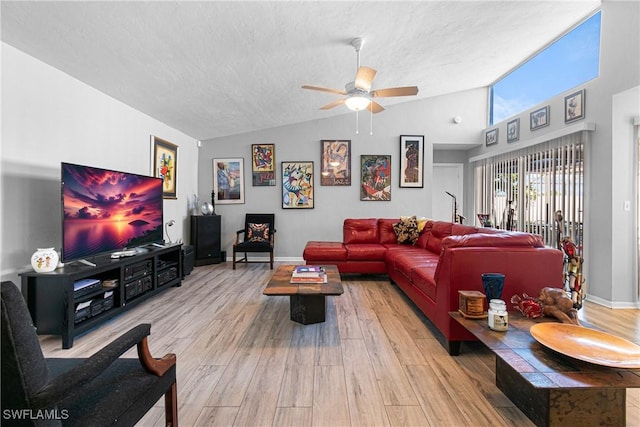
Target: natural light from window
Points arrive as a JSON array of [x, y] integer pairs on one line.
[[571, 60]]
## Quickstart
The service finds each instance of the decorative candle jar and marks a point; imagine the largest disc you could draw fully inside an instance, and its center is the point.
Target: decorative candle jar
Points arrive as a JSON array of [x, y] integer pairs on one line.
[[498, 315]]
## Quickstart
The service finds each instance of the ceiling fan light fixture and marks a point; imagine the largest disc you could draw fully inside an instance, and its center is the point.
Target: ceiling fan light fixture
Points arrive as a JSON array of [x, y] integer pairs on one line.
[[357, 103]]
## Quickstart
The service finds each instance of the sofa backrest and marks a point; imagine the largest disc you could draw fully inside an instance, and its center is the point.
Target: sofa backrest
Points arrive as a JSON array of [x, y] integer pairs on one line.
[[360, 230], [386, 233], [439, 230], [461, 229]]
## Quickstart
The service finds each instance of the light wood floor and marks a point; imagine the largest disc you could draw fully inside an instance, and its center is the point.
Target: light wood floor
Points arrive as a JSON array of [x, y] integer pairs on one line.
[[375, 361]]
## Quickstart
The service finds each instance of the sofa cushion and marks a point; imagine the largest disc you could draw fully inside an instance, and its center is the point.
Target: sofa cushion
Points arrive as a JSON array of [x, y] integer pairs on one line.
[[386, 233], [360, 230], [423, 278], [407, 263], [407, 230], [324, 251], [439, 231], [365, 252]]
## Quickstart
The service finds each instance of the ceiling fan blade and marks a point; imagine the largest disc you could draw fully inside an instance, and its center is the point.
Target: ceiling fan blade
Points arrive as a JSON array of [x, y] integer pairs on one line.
[[395, 91], [364, 78], [374, 107], [324, 89], [332, 104]]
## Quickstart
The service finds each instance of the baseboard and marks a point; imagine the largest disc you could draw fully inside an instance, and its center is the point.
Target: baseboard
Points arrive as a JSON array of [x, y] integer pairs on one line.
[[298, 260], [614, 305]]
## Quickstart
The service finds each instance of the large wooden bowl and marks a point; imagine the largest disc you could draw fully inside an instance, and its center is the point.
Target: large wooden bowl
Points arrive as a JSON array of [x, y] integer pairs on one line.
[[588, 345]]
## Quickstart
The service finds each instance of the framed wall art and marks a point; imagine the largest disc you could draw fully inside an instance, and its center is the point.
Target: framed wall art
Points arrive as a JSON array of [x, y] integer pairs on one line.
[[411, 161], [375, 173], [335, 162], [263, 161], [539, 118], [513, 130], [297, 185], [574, 106], [228, 181], [165, 166], [491, 137]]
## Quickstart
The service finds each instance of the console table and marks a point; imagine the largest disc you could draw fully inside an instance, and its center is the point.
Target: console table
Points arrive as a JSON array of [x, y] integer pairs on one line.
[[57, 310], [550, 388]]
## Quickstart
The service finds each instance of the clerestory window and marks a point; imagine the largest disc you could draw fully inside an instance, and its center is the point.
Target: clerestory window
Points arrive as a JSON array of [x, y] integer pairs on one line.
[[568, 62]]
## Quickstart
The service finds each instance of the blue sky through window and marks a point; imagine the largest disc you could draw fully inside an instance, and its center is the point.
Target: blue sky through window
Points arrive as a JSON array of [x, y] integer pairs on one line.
[[569, 61]]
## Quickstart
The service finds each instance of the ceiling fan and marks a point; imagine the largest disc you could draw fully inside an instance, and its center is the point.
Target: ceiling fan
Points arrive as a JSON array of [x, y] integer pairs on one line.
[[359, 95]]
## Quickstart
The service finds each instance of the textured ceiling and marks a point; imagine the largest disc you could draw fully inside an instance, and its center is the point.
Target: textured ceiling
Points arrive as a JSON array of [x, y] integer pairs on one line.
[[217, 68]]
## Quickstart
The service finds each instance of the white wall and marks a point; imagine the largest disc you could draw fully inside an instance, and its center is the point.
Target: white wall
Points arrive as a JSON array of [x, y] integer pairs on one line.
[[612, 100], [49, 117], [432, 118]]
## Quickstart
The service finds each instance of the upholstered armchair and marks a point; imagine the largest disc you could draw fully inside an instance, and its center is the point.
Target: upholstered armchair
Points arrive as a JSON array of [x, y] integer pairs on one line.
[[101, 390], [258, 235]]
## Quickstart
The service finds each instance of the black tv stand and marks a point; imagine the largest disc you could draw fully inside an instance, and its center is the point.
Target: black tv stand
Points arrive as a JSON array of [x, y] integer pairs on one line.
[[57, 310]]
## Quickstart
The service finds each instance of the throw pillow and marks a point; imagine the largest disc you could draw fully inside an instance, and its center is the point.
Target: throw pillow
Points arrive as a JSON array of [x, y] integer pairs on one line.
[[407, 230], [258, 232]]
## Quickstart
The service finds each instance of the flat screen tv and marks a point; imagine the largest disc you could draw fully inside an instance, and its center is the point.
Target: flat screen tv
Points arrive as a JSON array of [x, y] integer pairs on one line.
[[106, 211]]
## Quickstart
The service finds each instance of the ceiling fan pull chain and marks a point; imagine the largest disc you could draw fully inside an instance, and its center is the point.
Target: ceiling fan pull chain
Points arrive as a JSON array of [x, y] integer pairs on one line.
[[357, 122]]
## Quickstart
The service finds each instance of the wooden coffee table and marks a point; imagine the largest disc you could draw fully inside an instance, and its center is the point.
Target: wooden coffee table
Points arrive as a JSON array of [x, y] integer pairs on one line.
[[550, 388], [307, 301]]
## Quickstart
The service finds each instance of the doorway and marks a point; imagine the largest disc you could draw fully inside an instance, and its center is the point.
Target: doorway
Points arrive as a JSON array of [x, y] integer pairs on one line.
[[447, 178]]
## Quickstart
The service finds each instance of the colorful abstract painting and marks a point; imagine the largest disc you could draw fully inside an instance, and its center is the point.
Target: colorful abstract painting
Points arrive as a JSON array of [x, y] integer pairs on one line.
[[228, 181], [297, 185], [263, 161], [336, 162], [376, 177]]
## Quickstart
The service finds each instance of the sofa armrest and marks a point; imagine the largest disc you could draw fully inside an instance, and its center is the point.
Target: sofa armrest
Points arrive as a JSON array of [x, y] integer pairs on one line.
[[498, 240]]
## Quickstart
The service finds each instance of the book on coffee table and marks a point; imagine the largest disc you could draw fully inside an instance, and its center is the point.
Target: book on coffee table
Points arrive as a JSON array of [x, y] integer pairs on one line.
[[308, 274]]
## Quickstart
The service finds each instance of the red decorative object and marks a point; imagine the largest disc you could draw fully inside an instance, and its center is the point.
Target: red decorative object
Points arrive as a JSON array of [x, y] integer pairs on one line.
[[528, 306]]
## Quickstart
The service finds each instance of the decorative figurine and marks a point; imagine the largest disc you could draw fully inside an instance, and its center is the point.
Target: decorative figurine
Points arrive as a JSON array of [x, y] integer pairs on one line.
[[556, 303], [573, 272]]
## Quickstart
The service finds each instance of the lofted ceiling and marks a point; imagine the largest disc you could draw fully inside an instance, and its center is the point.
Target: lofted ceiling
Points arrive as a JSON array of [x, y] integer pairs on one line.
[[217, 68]]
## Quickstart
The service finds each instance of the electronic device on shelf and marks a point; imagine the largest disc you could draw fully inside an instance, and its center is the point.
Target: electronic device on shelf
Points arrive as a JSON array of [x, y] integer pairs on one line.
[[140, 269], [105, 211]]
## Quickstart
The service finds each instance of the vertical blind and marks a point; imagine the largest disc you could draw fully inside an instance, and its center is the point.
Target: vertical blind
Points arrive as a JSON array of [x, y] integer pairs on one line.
[[524, 189]]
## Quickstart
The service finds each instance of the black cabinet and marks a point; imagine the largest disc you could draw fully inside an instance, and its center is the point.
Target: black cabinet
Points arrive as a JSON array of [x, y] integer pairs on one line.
[[77, 297], [205, 238]]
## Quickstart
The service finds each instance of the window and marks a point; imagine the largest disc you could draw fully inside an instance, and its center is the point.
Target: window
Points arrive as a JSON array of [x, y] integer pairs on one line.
[[524, 189], [568, 62]]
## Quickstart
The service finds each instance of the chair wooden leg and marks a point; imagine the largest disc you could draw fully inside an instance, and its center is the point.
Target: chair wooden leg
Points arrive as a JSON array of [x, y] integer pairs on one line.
[[234, 258], [271, 259], [171, 406]]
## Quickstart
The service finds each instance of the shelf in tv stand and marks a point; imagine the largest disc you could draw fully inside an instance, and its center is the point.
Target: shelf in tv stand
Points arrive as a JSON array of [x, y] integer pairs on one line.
[[51, 299]]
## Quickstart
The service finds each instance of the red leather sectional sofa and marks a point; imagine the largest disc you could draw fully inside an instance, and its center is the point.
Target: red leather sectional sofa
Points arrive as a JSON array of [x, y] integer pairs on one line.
[[446, 258]]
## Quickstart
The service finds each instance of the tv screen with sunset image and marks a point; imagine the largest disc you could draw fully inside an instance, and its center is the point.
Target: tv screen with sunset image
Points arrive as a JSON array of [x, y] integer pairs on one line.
[[105, 211]]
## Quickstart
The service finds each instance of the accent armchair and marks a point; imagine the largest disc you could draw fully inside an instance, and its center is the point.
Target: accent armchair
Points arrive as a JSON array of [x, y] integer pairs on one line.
[[101, 390], [258, 236]]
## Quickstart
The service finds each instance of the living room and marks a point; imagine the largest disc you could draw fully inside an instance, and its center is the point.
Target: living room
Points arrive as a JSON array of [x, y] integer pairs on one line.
[[44, 122], [49, 117]]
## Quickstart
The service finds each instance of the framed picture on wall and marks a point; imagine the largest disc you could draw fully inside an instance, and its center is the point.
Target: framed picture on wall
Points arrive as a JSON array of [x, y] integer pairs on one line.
[[491, 137], [165, 166], [539, 118], [411, 161], [263, 161], [574, 106], [297, 185], [513, 130], [375, 177], [336, 162], [228, 181]]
